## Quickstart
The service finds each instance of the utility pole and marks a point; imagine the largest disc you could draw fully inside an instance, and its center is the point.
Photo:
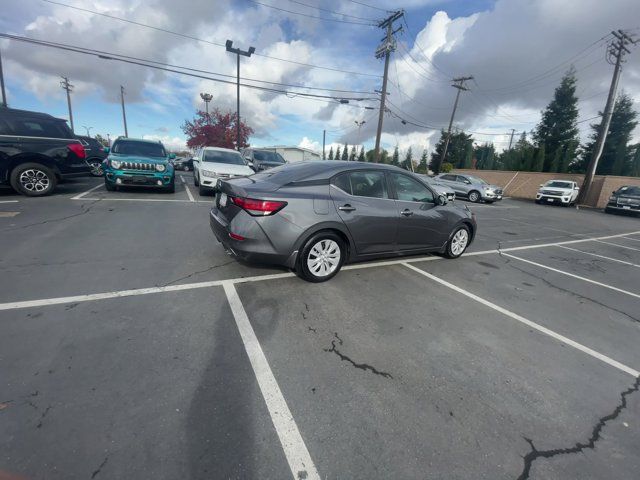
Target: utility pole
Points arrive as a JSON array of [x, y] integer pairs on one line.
[[207, 97], [324, 138], [238, 52], [3, 103], [616, 51], [384, 50], [513, 130], [124, 113], [458, 83], [69, 88]]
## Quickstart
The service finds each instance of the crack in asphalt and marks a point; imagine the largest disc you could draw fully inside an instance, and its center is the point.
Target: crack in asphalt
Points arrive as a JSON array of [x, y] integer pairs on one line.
[[83, 212], [97, 471], [44, 414], [212, 267], [361, 366], [570, 292], [534, 454]]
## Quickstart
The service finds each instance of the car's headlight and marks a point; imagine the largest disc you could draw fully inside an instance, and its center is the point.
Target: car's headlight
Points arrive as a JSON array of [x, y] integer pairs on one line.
[[160, 167], [208, 173], [116, 164], [612, 198]]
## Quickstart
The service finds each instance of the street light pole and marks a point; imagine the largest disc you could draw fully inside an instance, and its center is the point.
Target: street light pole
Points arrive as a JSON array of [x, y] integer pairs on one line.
[[207, 97], [359, 124], [124, 113], [88, 129], [3, 103], [238, 52]]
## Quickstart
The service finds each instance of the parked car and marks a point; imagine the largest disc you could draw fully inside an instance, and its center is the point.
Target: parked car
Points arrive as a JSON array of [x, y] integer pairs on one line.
[[212, 163], [37, 151], [139, 163], [562, 192], [185, 163], [470, 187], [262, 159], [440, 189], [625, 199], [95, 153], [315, 216]]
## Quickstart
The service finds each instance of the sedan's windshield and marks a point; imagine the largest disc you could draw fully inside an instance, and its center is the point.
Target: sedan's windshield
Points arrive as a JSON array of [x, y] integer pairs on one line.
[[555, 184], [143, 149], [263, 156], [218, 156]]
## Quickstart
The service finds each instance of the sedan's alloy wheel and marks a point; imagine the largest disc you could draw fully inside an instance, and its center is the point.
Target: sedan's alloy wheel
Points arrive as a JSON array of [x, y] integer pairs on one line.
[[459, 241], [34, 180], [323, 258]]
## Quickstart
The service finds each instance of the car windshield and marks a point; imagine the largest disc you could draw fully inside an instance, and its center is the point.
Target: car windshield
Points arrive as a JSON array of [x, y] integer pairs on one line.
[[555, 184], [143, 149], [221, 156], [264, 156], [628, 191], [477, 180]]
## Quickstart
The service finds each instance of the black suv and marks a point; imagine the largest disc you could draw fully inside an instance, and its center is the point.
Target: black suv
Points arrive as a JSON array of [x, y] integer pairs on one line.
[[625, 199], [262, 159], [37, 151], [95, 154]]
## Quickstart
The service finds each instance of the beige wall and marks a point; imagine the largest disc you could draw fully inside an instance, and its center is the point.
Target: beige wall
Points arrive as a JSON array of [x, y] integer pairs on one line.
[[526, 184]]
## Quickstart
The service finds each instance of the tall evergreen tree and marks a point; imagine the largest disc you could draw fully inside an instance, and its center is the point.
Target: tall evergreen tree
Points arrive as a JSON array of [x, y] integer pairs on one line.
[[538, 159], [361, 154], [395, 159], [337, 157], [617, 154], [407, 163], [635, 162], [468, 156], [345, 152], [558, 129], [331, 153], [352, 155], [423, 166], [456, 150]]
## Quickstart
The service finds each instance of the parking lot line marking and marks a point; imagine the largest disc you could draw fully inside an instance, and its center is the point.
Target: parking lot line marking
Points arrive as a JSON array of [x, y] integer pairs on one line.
[[584, 279], [529, 323], [79, 196], [8, 201], [186, 187], [295, 450], [600, 256], [135, 200], [8, 214], [629, 238], [618, 245]]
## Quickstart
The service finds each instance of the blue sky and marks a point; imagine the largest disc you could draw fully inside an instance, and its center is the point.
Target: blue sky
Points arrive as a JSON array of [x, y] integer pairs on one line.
[[505, 44]]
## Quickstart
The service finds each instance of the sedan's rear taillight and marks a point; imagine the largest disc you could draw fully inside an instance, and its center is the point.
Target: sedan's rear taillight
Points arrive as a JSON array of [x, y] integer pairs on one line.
[[77, 149], [258, 208]]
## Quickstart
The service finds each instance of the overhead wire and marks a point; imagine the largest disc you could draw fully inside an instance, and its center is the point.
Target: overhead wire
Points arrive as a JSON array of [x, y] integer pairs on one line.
[[333, 11], [370, 6], [308, 15]]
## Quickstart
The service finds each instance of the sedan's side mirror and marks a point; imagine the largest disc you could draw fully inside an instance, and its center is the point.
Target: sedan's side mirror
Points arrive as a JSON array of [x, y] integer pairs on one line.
[[441, 200], [541, 185], [172, 156], [576, 188], [106, 149]]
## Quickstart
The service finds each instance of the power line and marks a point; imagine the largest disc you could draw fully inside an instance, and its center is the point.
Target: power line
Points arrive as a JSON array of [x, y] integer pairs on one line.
[[370, 6], [312, 16], [191, 37], [333, 11]]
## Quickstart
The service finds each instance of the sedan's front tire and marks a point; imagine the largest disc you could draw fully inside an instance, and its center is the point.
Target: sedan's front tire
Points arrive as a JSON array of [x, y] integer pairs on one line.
[[321, 257], [458, 242]]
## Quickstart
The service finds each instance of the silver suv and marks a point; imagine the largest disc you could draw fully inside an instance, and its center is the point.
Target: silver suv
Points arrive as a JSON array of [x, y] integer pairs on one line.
[[473, 188]]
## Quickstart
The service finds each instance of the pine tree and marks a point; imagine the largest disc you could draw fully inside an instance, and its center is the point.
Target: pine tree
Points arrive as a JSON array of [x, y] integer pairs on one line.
[[361, 154], [352, 155], [635, 162], [395, 160], [423, 166], [345, 152], [337, 157], [456, 150], [407, 163], [558, 129], [384, 156], [617, 154], [331, 153], [538, 160], [468, 157]]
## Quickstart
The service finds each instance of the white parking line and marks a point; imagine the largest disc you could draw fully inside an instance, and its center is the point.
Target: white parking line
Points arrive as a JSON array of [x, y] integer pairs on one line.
[[600, 256], [295, 450], [258, 278], [629, 238], [135, 200], [186, 187], [618, 245], [79, 196], [584, 279], [8, 201], [529, 323]]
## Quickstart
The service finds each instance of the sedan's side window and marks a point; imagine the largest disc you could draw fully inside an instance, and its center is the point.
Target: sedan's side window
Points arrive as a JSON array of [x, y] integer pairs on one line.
[[342, 182], [410, 190], [368, 184], [450, 178], [462, 179]]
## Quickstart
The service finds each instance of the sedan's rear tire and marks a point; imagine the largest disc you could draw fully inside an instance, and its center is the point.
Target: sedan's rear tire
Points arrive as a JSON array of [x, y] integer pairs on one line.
[[458, 242], [321, 257], [474, 196]]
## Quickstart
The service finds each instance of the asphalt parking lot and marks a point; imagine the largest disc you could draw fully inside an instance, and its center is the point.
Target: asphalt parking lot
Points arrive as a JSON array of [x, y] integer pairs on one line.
[[132, 346]]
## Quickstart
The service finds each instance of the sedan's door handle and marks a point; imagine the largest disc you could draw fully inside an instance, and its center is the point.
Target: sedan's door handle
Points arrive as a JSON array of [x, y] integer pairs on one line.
[[406, 212], [347, 208]]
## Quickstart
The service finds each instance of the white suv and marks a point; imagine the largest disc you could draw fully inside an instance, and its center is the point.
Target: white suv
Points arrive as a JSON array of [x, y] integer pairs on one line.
[[212, 163], [564, 192]]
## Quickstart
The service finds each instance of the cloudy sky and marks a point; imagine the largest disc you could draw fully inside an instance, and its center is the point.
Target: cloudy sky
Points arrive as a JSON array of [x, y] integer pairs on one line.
[[516, 50]]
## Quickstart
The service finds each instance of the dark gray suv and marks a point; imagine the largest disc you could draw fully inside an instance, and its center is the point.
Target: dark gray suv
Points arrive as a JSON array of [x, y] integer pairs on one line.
[[313, 217]]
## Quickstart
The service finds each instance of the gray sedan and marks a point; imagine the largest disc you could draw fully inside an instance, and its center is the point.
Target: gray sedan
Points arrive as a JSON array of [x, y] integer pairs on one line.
[[439, 189], [473, 188], [313, 217]]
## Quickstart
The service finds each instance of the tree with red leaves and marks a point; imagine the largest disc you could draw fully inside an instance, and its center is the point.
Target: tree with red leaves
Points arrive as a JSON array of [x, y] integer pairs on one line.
[[215, 130]]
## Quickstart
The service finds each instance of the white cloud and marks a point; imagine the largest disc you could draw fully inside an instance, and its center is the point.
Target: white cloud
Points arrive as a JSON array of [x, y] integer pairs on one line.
[[173, 144]]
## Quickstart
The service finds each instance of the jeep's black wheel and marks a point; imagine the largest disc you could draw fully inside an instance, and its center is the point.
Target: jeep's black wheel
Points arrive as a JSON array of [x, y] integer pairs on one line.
[[33, 179], [172, 187], [109, 186]]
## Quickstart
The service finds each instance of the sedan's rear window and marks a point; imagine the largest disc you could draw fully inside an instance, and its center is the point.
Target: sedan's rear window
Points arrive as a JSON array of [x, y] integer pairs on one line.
[[362, 184]]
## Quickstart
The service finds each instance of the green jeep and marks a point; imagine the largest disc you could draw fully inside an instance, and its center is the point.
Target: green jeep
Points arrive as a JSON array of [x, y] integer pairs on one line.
[[139, 163]]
